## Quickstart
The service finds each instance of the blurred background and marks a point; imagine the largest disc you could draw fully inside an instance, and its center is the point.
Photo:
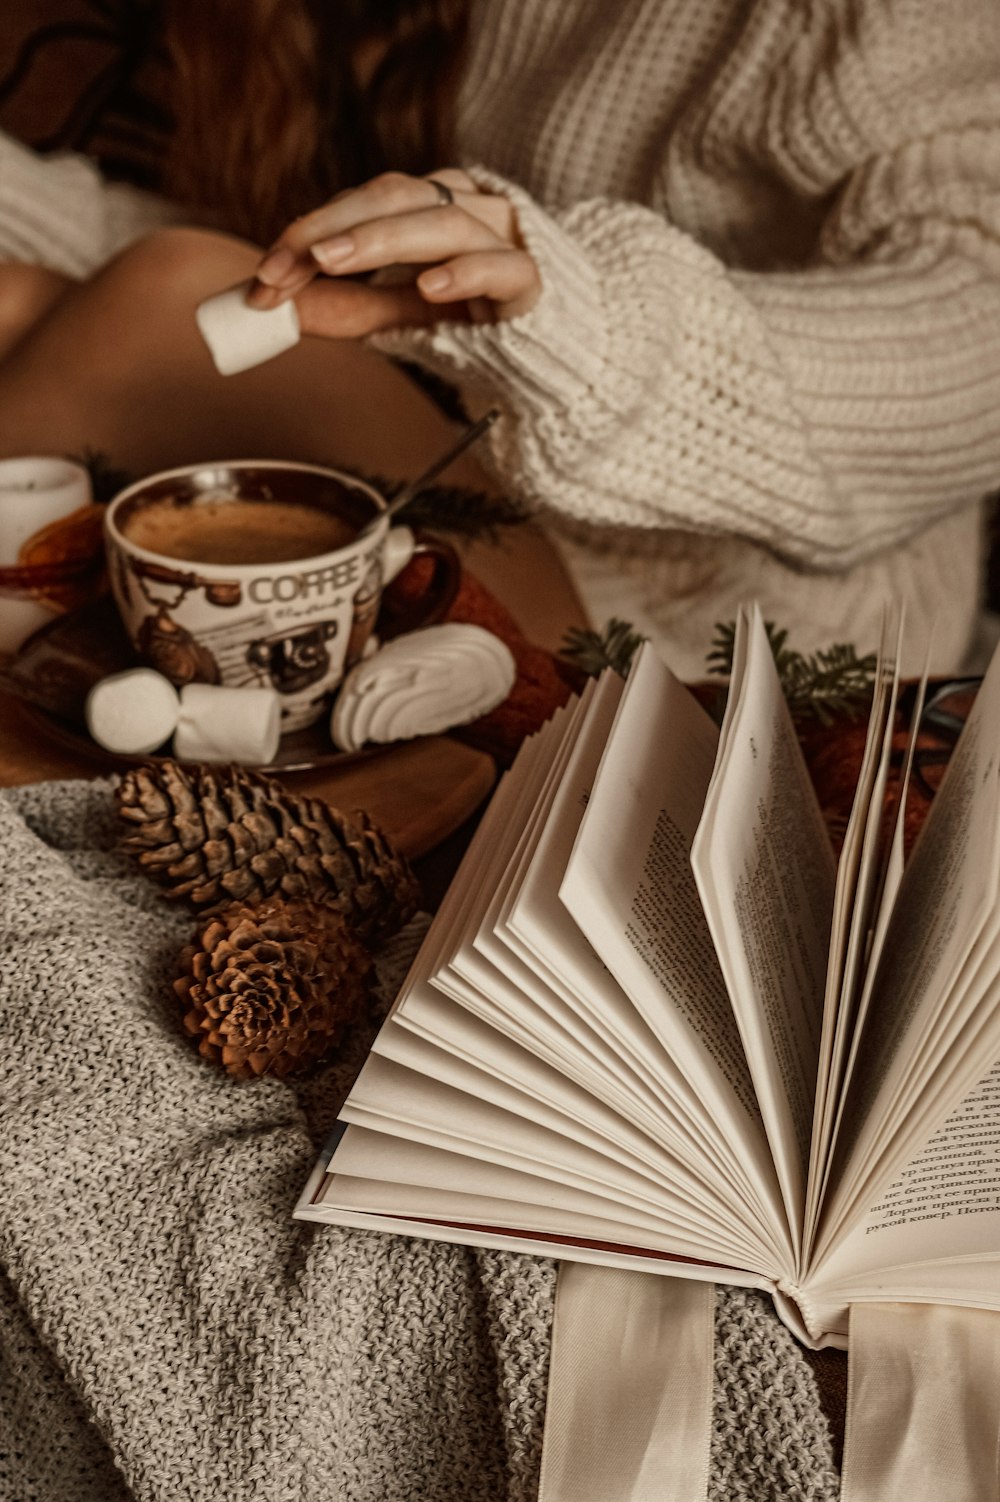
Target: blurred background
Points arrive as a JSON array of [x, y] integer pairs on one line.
[[86, 75]]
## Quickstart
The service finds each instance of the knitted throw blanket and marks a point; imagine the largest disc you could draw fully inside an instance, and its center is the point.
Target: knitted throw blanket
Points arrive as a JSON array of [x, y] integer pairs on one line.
[[168, 1332]]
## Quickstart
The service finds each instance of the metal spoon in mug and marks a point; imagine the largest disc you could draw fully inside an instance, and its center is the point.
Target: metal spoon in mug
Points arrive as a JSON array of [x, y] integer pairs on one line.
[[470, 435]]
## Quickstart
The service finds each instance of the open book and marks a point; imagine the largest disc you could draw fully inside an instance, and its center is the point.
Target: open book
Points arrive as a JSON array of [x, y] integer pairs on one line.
[[655, 1025]]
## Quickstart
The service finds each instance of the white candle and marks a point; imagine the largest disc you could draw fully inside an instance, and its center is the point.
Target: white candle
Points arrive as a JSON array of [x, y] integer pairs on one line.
[[34, 492]]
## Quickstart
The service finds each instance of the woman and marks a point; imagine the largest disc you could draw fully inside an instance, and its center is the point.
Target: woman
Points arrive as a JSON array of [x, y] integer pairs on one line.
[[732, 273]]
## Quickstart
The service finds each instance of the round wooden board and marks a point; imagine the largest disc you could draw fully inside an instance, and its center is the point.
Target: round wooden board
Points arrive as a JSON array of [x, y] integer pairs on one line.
[[418, 792]]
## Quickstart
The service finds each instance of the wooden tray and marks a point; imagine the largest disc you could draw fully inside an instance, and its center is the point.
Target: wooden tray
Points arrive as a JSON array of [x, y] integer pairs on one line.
[[418, 791]]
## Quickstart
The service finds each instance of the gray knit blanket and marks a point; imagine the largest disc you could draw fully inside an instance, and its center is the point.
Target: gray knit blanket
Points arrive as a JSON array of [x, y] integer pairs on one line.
[[168, 1332]]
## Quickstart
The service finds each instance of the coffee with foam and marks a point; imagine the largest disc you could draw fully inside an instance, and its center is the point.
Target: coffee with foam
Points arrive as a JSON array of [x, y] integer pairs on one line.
[[230, 530]]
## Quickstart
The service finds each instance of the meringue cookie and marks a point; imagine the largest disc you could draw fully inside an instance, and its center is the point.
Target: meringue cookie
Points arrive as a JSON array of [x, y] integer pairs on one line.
[[421, 684]]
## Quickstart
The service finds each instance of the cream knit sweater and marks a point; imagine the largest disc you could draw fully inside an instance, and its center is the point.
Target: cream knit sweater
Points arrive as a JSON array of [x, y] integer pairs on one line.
[[767, 357]]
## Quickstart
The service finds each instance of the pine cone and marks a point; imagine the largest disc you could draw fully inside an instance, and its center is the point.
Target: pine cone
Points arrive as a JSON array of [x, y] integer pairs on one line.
[[270, 989], [216, 835]]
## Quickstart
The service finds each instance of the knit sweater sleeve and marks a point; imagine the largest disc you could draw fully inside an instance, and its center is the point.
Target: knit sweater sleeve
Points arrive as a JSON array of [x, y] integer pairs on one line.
[[826, 412], [59, 212]]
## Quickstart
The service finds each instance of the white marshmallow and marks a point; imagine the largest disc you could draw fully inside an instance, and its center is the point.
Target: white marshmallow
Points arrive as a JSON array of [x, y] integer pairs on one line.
[[238, 336], [133, 712], [228, 724]]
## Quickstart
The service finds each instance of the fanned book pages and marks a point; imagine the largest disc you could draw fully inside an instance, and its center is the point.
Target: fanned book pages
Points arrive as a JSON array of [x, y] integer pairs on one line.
[[655, 1025]]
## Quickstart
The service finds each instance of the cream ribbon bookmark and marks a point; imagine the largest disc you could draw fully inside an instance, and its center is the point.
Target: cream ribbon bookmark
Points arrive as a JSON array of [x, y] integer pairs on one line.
[[629, 1413], [923, 1405]]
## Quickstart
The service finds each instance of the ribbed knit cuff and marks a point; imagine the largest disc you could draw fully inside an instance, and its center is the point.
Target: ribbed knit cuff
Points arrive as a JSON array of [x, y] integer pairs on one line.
[[560, 346], [51, 210], [540, 364], [58, 211], [653, 387]]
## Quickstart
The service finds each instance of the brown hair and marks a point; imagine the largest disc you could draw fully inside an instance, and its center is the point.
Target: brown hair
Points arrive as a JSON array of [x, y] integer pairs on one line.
[[275, 108]]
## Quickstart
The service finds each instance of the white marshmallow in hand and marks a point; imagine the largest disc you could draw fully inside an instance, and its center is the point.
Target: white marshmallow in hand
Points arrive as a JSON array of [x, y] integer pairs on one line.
[[228, 724], [239, 336], [132, 713]]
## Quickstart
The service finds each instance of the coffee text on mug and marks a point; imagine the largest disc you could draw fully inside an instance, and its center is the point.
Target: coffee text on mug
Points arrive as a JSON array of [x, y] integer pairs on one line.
[[281, 588]]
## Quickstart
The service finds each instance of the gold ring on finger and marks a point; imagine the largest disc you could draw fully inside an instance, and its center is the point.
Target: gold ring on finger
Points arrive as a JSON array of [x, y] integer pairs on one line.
[[444, 193]]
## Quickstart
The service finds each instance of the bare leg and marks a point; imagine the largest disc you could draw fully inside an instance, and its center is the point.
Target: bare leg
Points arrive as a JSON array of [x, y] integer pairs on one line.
[[118, 366], [27, 293]]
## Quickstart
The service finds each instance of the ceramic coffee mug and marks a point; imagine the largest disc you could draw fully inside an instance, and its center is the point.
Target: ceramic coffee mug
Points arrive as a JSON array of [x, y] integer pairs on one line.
[[261, 572]]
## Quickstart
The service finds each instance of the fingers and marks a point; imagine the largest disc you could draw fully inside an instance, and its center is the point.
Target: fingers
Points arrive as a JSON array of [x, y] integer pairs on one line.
[[351, 310], [507, 278], [389, 193], [455, 179], [286, 273], [288, 265], [432, 234], [476, 287], [474, 265], [496, 213]]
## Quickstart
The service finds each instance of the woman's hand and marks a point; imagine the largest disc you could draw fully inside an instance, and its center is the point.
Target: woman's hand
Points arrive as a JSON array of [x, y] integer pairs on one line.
[[472, 265]]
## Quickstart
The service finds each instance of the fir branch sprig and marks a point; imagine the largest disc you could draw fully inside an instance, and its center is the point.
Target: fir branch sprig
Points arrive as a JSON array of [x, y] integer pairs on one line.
[[106, 479], [593, 651], [457, 511], [830, 684]]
